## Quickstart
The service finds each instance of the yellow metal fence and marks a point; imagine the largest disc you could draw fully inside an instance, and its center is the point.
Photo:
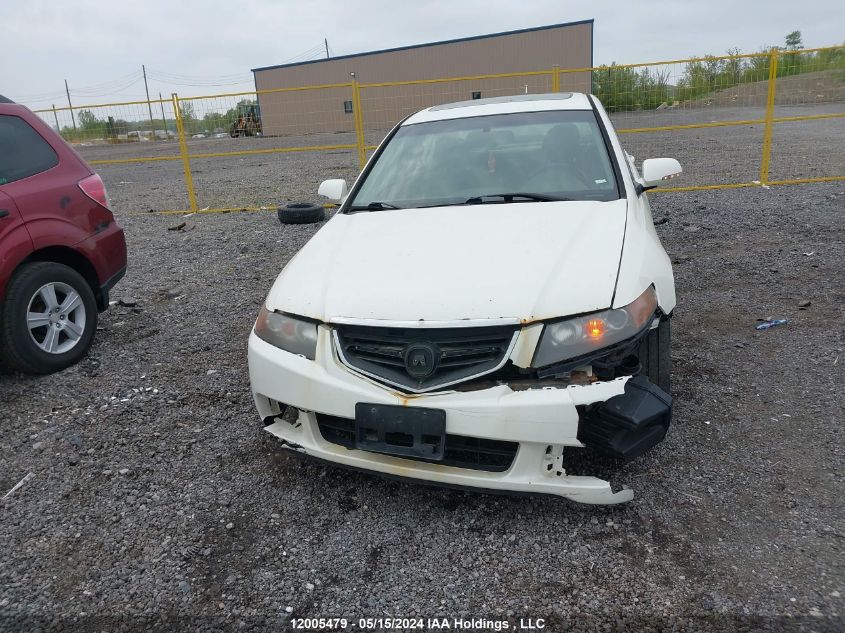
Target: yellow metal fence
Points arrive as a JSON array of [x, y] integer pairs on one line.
[[759, 119]]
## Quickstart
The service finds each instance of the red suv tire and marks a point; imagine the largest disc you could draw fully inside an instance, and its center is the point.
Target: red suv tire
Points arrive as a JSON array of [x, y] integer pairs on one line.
[[48, 319]]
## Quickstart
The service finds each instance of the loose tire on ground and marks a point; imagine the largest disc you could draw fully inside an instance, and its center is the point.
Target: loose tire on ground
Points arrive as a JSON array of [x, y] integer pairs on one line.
[[656, 355], [18, 349], [301, 213]]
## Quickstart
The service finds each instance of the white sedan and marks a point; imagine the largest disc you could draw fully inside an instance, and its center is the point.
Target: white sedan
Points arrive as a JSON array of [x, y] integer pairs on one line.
[[490, 296]]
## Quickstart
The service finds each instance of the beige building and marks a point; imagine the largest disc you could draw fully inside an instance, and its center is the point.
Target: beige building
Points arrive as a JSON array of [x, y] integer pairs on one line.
[[331, 109]]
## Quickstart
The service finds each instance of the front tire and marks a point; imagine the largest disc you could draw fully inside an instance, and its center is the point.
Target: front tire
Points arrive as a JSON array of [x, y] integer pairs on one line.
[[655, 355], [48, 319]]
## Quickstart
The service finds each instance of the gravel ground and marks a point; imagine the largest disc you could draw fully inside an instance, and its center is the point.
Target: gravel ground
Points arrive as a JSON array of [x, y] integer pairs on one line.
[[157, 500]]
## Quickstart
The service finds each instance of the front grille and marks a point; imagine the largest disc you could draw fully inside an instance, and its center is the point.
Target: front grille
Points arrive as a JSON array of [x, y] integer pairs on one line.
[[460, 451], [457, 354]]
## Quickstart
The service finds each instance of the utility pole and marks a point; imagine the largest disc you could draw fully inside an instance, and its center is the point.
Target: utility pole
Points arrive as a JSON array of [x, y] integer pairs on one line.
[[326, 40], [149, 105], [56, 117], [163, 120], [70, 105]]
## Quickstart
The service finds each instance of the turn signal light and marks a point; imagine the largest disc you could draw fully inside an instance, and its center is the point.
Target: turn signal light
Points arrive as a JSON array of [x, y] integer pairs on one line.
[[595, 328]]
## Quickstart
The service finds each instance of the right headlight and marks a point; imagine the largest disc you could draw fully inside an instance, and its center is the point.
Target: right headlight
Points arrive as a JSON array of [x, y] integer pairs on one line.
[[288, 333], [580, 336]]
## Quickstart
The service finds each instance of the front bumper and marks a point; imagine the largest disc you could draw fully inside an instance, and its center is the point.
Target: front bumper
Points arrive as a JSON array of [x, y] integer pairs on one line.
[[542, 421]]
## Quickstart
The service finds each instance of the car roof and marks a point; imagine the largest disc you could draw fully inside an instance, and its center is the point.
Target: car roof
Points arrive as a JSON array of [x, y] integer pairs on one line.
[[502, 105]]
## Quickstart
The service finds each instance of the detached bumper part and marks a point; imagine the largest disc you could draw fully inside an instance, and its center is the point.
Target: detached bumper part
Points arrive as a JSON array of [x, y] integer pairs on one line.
[[627, 425]]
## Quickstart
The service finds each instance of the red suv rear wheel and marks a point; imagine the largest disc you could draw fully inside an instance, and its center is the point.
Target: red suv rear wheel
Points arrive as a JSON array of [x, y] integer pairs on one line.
[[48, 319]]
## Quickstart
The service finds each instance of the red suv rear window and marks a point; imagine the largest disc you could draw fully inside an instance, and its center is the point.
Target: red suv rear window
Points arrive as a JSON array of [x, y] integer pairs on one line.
[[23, 151]]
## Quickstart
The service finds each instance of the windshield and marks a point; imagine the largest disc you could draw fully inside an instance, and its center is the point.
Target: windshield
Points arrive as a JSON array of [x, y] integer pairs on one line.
[[522, 157]]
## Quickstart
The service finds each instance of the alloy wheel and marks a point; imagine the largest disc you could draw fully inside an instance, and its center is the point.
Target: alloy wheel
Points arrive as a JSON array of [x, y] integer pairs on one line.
[[55, 317]]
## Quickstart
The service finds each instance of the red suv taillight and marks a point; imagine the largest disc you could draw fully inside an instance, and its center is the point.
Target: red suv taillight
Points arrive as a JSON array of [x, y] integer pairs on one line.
[[93, 187]]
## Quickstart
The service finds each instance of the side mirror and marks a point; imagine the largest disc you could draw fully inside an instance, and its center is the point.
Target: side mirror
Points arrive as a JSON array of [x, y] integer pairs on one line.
[[656, 171], [334, 189]]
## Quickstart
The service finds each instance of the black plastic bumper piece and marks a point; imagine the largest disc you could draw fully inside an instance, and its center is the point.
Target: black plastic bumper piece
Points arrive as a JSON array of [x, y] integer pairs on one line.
[[105, 287], [460, 451], [401, 431], [628, 425]]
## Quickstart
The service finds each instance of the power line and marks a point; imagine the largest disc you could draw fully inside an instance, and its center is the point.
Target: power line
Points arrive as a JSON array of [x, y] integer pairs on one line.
[[109, 87], [40, 95], [121, 83], [311, 53], [117, 80], [104, 88], [46, 98], [199, 84], [107, 91], [196, 81], [181, 77]]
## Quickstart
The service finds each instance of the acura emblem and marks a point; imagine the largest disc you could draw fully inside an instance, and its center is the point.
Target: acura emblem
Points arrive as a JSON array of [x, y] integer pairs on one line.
[[421, 360]]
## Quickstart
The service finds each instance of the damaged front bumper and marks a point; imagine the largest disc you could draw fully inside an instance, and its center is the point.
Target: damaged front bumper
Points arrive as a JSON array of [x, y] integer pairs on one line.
[[497, 439]]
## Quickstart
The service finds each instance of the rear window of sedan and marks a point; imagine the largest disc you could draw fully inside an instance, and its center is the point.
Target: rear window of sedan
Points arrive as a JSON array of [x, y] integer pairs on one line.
[[23, 151]]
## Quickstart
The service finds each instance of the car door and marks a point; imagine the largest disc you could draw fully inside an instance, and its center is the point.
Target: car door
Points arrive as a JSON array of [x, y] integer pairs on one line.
[[15, 243], [10, 220]]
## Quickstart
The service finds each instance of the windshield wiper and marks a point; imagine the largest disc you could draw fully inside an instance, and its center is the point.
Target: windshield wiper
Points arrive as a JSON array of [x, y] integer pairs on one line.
[[509, 197], [373, 206]]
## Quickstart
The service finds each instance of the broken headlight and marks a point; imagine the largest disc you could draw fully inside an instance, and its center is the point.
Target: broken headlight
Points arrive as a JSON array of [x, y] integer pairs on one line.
[[589, 333], [288, 333]]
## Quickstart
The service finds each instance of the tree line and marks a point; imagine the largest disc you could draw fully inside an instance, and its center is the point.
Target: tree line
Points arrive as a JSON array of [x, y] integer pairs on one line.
[[623, 89]]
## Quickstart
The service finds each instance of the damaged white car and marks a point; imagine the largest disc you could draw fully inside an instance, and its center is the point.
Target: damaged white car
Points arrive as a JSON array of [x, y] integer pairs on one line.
[[490, 294]]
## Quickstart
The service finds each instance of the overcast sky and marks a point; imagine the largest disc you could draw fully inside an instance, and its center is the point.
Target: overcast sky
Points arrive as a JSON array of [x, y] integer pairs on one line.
[[205, 46]]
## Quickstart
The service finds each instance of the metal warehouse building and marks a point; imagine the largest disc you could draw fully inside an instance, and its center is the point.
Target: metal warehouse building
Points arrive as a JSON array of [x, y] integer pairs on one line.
[[330, 109]]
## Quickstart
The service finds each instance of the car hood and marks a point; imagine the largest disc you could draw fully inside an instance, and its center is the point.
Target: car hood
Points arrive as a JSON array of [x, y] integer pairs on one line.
[[525, 261]]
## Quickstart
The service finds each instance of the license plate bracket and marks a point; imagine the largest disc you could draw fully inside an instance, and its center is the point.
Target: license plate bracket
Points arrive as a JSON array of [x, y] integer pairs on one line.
[[402, 431]]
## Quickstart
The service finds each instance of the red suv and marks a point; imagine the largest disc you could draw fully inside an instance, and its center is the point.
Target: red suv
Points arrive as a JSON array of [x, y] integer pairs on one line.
[[60, 247]]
